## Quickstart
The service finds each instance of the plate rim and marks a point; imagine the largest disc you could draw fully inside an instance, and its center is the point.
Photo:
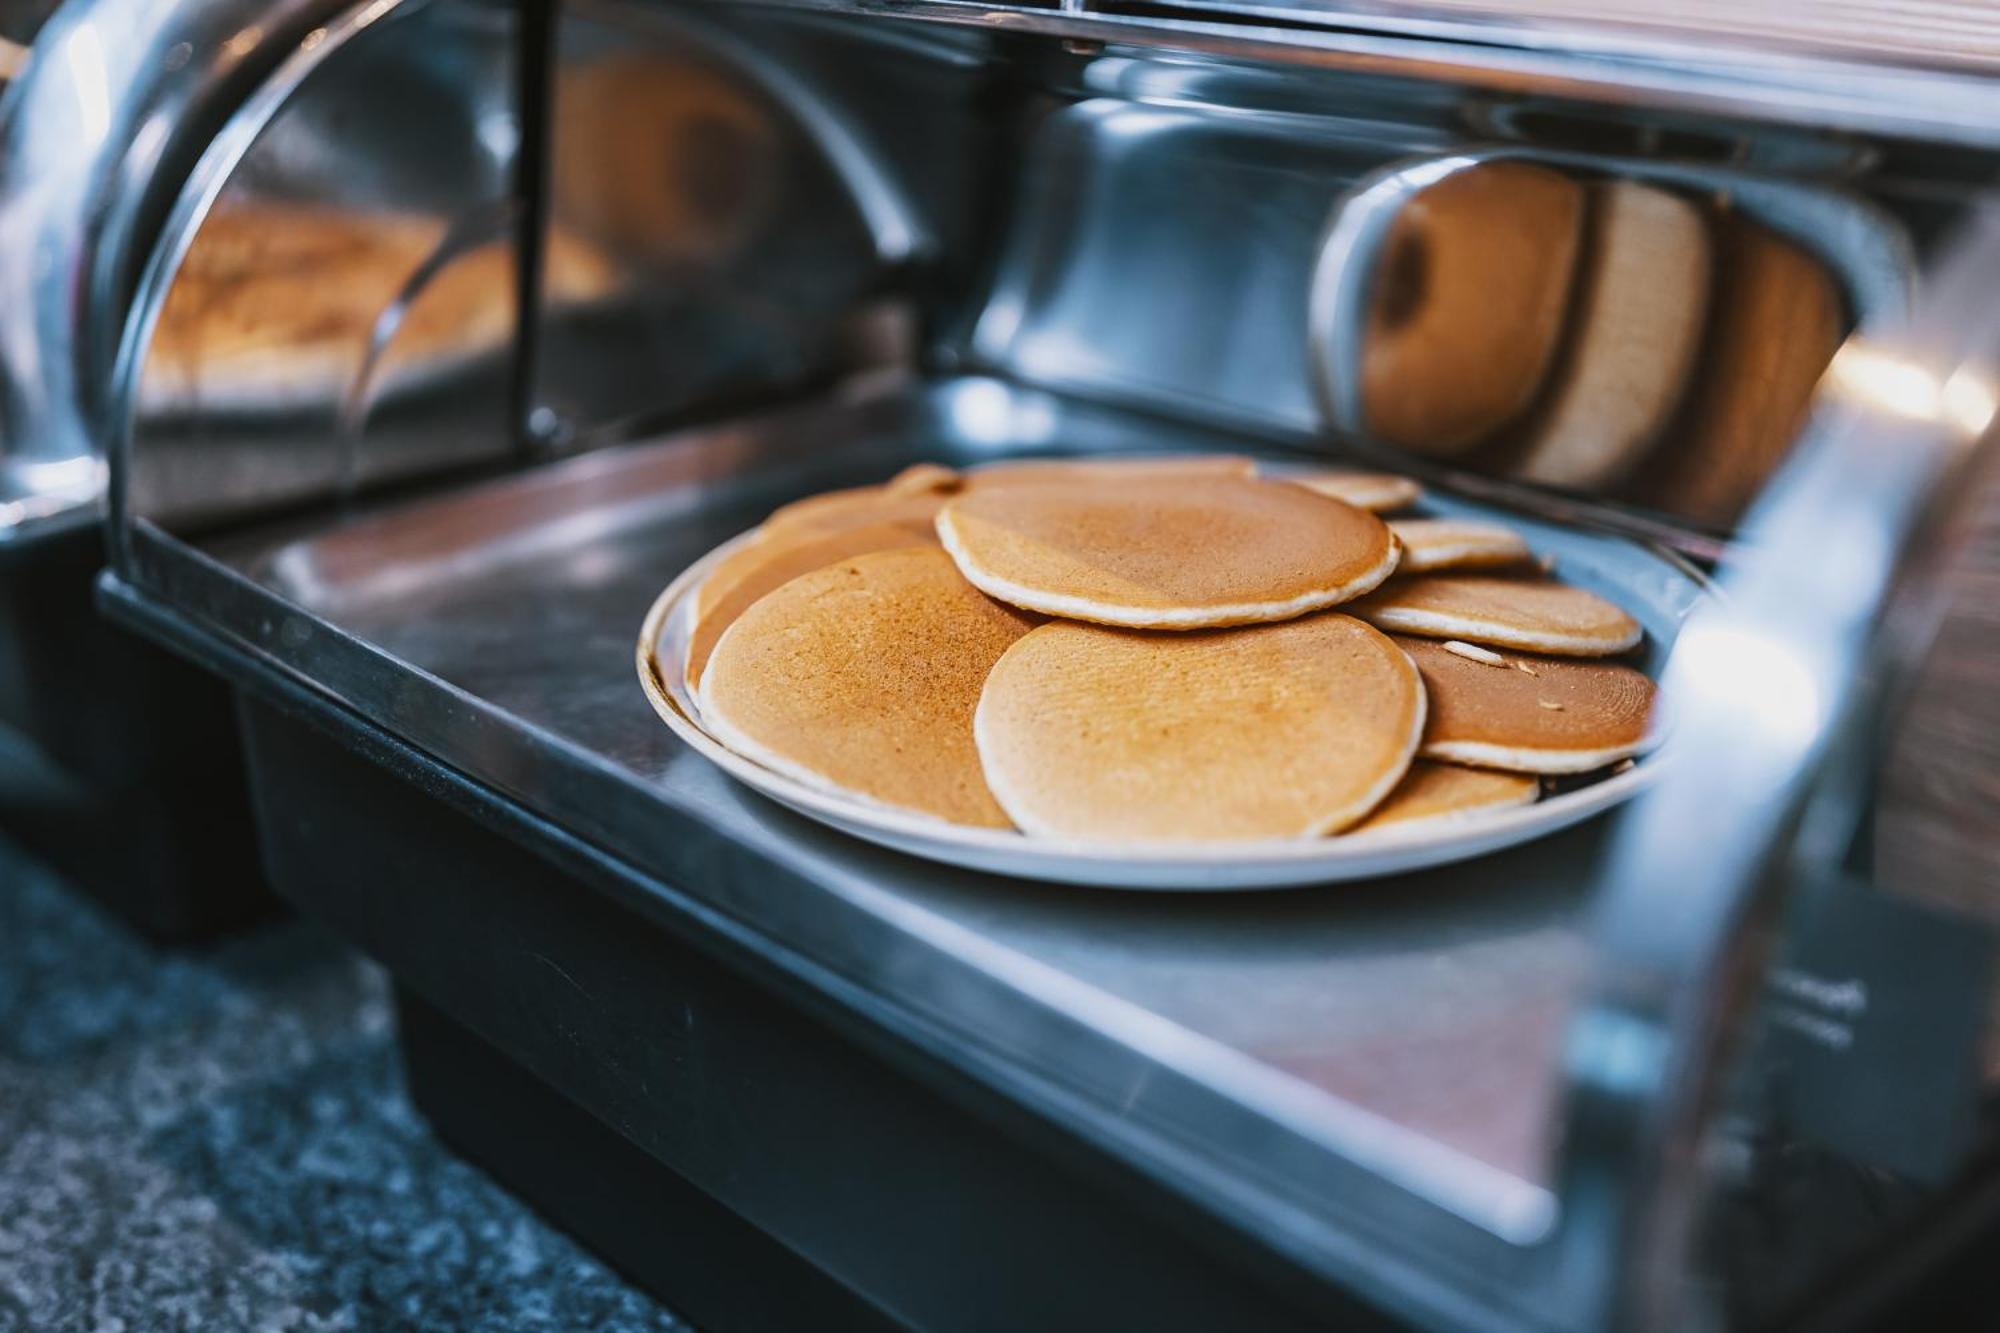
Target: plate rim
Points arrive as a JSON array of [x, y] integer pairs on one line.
[[1139, 865]]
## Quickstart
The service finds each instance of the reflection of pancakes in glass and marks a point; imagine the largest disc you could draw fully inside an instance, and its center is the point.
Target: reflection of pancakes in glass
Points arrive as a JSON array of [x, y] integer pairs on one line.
[[661, 160], [275, 304]]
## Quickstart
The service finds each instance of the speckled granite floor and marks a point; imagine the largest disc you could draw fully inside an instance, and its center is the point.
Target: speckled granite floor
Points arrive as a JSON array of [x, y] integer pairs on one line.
[[220, 1141]]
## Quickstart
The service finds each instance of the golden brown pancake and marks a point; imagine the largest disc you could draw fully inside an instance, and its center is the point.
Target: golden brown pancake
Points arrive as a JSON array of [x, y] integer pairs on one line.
[[1431, 790], [1166, 552], [1468, 304], [1455, 543], [1777, 320], [1377, 492], [1266, 731], [924, 479], [735, 585], [862, 677], [1557, 716], [1109, 467], [913, 495], [1642, 297], [1532, 614]]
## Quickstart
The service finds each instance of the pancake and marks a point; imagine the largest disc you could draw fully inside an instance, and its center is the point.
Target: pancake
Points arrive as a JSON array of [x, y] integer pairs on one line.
[[1532, 614], [913, 495], [1455, 543], [1265, 731], [1166, 552], [1642, 298], [1468, 305], [1377, 492], [1566, 717], [1432, 790], [736, 584], [1035, 471], [1777, 320], [861, 678]]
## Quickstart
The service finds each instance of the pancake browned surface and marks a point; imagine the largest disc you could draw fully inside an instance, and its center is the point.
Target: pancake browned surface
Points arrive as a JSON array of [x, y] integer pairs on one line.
[[1455, 543], [1110, 467], [1266, 731], [1533, 614], [1468, 303], [1377, 492], [1166, 552], [1642, 297], [1558, 715], [1777, 321], [862, 677], [1431, 790], [762, 566], [912, 496]]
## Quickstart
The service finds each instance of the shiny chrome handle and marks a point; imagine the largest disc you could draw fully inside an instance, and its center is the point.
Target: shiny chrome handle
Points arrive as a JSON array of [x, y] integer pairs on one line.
[[1764, 683]]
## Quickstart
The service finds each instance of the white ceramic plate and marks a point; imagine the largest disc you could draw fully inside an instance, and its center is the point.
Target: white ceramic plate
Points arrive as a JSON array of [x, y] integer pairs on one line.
[[1658, 591]]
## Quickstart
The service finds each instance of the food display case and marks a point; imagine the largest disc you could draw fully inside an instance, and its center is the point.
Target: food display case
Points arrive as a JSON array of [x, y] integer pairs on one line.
[[475, 324]]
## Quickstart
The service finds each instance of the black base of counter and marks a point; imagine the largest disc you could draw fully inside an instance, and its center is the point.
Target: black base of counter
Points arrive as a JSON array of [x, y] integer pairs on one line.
[[119, 762]]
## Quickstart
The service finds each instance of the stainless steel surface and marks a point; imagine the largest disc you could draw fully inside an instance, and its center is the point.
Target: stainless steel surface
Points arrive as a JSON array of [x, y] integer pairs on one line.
[[1374, 1056], [1653, 589], [755, 200], [1777, 693], [94, 140], [1823, 91], [332, 305]]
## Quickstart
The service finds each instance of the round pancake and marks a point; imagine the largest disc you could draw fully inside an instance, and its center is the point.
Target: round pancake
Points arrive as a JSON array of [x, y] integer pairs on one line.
[[913, 495], [861, 678], [1642, 297], [1377, 492], [1166, 552], [1431, 790], [1533, 614], [1265, 731], [1468, 304], [1106, 468], [736, 584], [1455, 543], [1566, 717]]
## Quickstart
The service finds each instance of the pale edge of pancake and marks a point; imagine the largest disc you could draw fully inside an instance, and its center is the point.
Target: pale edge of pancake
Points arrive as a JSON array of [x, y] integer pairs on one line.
[[1353, 814], [1461, 814], [1520, 759], [1066, 607], [1435, 625], [1387, 495], [1464, 555], [757, 752]]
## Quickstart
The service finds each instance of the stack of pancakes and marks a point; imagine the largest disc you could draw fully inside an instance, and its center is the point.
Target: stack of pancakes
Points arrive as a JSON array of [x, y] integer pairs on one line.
[[1608, 336], [1158, 649]]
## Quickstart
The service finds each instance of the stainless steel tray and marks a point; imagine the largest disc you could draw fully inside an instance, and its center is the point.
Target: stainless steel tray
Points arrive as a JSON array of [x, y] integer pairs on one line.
[[1304, 1059], [1657, 591]]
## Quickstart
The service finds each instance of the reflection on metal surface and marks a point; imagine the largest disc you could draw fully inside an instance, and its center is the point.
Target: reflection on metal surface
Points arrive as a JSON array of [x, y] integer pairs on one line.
[[742, 212], [94, 136], [1669, 366], [336, 297], [1962, 399]]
